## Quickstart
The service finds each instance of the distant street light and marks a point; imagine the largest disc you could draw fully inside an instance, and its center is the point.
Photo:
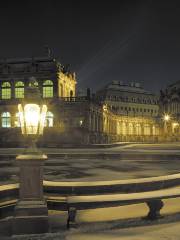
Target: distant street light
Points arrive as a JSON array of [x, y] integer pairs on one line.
[[31, 213], [166, 117]]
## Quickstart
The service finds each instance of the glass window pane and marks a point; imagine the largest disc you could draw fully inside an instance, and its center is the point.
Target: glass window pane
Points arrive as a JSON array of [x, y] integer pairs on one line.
[[17, 120], [6, 84], [6, 93], [48, 82], [47, 89], [49, 119], [6, 120], [35, 83], [147, 130], [19, 92], [19, 84], [47, 92]]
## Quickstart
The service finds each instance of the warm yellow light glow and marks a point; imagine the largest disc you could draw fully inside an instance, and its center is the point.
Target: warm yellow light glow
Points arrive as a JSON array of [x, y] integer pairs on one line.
[[175, 124], [32, 118], [42, 119], [104, 108], [21, 118], [166, 117]]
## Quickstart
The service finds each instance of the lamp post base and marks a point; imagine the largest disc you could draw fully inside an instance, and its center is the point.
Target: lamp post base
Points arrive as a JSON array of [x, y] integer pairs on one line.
[[31, 213], [31, 217]]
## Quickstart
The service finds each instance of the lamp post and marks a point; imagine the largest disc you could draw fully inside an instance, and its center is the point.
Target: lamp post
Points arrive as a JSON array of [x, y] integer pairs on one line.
[[166, 119], [31, 213]]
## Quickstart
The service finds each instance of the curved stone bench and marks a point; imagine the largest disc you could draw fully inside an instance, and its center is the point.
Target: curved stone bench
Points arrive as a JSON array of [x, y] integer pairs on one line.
[[53, 203], [115, 186], [153, 199], [10, 191], [99, 187]]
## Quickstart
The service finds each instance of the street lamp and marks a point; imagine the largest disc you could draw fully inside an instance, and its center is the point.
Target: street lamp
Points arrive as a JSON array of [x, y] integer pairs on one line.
[[32, 114], [166, 119], [31, 213]]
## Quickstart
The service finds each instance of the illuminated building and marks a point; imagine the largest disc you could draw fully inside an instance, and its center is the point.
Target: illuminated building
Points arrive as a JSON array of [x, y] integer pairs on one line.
[[170, 100], [54, 81], [169, 103], [129, 100], [118, 112], [134, 110]]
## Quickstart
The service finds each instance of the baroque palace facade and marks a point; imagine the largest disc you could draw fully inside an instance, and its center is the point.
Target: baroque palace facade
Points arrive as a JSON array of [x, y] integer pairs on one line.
[[169, 103], [118, 112]]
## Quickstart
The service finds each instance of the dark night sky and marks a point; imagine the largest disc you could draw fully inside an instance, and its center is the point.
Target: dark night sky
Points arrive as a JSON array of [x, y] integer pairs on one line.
[[130, 41]]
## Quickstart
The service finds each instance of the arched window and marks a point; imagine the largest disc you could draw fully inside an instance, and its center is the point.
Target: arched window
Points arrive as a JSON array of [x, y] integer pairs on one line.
[[47, 89], [35, 83], [17, 120], [130, 129], [119, 128], [49, 122], [138, 129], [124, 128], [6, 90], [6, 120], [147, 130], [61, 90], [19, 90]]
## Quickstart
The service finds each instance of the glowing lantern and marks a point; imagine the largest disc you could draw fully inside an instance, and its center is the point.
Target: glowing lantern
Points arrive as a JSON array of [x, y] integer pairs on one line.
[[32, 112]]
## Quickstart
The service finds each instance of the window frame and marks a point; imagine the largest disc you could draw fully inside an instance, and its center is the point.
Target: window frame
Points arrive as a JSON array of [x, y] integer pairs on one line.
[[19, 90], [6, 90], [48, 89], [5, 120]]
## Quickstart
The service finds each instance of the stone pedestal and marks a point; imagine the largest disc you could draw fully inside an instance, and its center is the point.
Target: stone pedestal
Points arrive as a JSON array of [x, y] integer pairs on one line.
[[31, 213]]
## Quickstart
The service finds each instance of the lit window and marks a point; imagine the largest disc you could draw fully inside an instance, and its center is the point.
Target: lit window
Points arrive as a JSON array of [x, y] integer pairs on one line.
[[124, 129], [6, 120], [138, 129], [48, 89], [80, 123], [6, 90], [147, 130], [130, 129], [49, 119], [35, 83], [19, 90], [153, 130], [17, 120]]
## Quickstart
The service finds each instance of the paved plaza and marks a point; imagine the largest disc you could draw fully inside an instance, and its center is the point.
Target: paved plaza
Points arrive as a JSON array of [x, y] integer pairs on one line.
[[94, 164], [123, 161]]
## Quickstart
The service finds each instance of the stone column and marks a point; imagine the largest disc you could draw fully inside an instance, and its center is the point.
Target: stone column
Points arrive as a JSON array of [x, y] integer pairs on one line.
[[31, 213], [89, 121], [12, 89]]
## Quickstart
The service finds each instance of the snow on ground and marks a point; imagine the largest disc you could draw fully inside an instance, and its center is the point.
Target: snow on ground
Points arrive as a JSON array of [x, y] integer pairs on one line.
[[115, 223], [98, 168], [166, 228], [169, 231]]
